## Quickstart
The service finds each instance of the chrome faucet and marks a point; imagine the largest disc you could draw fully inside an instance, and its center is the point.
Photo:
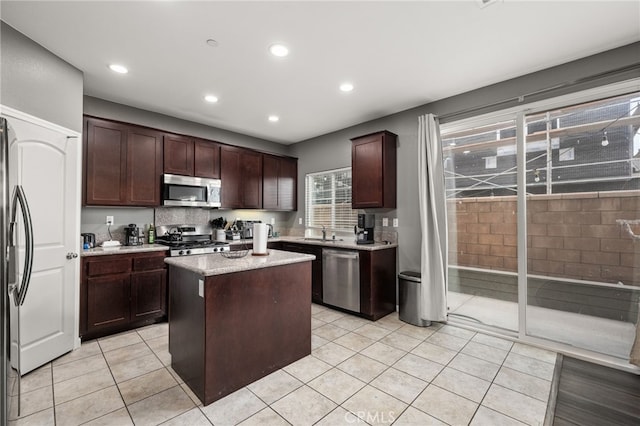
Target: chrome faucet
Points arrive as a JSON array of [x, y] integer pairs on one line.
[[324, 232]]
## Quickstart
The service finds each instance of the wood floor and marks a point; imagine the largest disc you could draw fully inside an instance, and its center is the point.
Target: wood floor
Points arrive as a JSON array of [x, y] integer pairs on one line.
[[590, 394]]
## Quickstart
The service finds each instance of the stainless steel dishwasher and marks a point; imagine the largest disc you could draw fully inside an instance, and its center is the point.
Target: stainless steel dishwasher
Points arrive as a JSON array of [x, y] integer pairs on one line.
[[341, 278]]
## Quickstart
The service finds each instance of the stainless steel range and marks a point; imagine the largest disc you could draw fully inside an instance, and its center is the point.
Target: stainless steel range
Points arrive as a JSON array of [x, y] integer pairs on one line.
[[185, 240]]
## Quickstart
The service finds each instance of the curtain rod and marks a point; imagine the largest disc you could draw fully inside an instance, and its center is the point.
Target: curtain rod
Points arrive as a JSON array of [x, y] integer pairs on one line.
[[520, 99]]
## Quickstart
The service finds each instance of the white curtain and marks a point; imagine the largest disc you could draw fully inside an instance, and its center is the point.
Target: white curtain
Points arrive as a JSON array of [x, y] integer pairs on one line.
[[433, 220]]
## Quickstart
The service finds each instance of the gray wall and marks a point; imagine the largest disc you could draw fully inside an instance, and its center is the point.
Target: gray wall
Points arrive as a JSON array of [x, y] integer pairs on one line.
[[334, 150], [37, 82]]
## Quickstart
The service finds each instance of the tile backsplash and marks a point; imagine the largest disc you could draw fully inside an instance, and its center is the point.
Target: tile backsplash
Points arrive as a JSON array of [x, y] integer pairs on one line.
[[181, 215]]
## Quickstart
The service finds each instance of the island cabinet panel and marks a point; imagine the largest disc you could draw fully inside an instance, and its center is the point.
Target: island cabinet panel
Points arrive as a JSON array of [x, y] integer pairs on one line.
[[247, 325], [279, 180], [178, 155], [206, 159], [241, 175], [122, 164], [373, 168], [121, 291]]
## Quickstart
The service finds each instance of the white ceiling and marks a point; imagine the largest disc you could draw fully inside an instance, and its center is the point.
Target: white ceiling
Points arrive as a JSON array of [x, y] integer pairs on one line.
[[397, 54]]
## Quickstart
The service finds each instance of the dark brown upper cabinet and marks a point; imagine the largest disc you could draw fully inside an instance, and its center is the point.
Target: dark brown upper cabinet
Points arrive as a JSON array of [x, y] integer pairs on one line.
[[122, 164], [178, 155], [187, 156], [279, 183], [206, 159], [241, 175], [373, 169]]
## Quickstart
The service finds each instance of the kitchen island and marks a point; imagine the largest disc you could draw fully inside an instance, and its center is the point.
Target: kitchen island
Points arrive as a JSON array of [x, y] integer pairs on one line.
[[234, 321]]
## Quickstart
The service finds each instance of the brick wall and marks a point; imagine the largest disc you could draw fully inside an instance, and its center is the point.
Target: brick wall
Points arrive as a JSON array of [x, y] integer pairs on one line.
[[569, 235]]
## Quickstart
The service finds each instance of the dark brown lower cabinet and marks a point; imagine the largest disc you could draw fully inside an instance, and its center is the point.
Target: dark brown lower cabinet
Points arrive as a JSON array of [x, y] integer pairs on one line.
[[108, 297], [377, 278], [148, 294], [121, 291]]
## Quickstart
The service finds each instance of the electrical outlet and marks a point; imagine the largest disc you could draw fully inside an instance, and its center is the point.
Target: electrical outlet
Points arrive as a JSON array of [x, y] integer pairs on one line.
[[109, 220], [299, 221], [385, 221], [273, 220], [395, 222]]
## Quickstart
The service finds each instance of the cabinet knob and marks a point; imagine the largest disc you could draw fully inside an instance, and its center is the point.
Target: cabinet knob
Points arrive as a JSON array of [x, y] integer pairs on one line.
[[71, 255]]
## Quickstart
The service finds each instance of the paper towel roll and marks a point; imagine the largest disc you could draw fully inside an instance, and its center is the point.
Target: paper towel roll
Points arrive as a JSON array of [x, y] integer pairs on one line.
[[260, 236]]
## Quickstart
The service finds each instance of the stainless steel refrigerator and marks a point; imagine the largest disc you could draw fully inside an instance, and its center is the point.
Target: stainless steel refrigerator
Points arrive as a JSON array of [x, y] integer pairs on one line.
[[16, 274]]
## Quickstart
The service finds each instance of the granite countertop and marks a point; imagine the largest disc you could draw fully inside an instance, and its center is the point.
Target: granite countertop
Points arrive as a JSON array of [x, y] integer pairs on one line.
[[346, 243], [216, 264], [99, 251]]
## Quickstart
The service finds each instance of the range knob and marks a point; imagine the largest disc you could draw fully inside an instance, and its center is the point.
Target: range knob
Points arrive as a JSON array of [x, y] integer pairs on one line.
[[181, 252], [188, 252]]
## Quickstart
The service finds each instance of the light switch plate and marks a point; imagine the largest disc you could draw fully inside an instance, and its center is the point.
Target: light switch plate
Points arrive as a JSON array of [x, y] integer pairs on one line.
[[395, 222], [299, 221], [385, 221], [201, 288], [273, 220]]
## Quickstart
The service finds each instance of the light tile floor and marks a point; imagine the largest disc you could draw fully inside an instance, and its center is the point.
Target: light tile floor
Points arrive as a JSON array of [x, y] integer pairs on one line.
[[360, 372]]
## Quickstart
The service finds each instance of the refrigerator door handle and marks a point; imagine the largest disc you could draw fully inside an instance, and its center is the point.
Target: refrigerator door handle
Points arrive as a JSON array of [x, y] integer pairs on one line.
[[19, 293]]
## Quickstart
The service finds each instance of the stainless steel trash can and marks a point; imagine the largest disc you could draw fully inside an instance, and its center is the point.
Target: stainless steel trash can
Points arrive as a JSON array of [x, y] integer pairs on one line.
[[409, 295]]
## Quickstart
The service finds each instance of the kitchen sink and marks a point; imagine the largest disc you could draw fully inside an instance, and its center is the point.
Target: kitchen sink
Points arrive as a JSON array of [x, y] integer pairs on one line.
[[328, 240]]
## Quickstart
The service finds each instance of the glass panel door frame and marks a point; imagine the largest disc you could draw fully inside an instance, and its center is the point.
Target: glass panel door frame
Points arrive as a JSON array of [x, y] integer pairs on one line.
[[520, 114]]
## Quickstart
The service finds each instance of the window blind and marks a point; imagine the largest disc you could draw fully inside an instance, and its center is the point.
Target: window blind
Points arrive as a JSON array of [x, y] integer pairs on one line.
[[328, 200]]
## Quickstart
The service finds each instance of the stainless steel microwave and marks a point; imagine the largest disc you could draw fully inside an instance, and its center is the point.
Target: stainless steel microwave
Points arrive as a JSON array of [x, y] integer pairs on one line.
[[189, 191]]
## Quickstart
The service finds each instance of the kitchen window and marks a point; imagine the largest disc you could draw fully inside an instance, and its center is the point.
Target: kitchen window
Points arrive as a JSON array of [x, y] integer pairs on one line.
[[328, 200]]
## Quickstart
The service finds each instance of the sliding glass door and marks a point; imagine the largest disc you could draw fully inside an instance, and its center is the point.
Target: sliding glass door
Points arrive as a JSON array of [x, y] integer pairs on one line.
[[481, 183], [570, 274], [583, 211]]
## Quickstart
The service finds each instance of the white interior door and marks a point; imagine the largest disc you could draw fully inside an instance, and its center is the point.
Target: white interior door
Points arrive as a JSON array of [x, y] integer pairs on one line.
[[45, 160]]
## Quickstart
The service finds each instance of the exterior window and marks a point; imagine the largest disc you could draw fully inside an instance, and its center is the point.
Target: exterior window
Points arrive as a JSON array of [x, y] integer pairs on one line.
[[328, 200]]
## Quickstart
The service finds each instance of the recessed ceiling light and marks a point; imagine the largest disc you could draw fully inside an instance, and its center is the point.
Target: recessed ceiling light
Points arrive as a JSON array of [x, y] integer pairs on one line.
[[279, 50], [118, 68], [274, 118], [346, 87], [213, 43], [211, 98]]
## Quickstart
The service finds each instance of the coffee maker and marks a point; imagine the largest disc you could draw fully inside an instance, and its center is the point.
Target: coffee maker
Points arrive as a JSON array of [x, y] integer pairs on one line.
[[364, 230], [132, 235]]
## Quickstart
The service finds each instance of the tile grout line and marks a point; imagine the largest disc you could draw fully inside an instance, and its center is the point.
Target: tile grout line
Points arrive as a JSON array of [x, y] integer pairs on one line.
[[388, 367], [470, 339]]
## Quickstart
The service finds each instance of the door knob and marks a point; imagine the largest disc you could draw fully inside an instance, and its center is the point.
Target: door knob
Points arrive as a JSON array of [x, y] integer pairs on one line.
[[72, 255]]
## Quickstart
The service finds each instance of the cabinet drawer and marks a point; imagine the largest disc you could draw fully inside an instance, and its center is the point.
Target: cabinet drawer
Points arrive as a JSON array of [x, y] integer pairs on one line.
[[148, 263], [111, 266]]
